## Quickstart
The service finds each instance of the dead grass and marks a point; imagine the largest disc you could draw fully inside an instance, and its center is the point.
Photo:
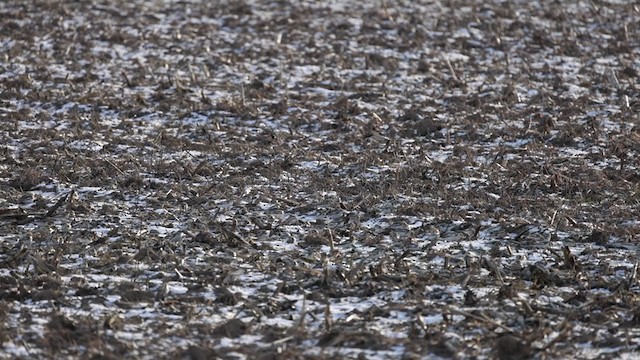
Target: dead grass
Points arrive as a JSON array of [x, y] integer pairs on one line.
[[317, 181]]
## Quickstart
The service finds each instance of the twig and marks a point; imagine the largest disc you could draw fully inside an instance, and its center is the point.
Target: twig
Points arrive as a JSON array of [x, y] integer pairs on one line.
[[114, 166], [58, 204], [480, 318], [231, 236], [566, 330], [303, 313], [283, 340], [494, 268]]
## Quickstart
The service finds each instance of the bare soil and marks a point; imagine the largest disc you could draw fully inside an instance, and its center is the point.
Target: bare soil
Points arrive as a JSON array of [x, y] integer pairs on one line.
[[319, 179]]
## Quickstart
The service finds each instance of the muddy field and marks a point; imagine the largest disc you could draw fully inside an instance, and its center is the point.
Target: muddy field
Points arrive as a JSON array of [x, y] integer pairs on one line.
[[319, 179]]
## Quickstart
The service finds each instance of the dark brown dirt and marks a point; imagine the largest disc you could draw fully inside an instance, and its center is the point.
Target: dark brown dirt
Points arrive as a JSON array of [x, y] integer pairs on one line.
[[337, 179]]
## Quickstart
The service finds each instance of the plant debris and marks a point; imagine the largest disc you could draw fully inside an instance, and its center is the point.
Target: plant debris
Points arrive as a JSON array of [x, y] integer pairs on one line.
[[332, 179]]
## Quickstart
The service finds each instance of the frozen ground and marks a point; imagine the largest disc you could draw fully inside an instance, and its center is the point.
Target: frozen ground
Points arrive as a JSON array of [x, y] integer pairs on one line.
[[319, 179]]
